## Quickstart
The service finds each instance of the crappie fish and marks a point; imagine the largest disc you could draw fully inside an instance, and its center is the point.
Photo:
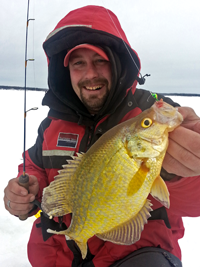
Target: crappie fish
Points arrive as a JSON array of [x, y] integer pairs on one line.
[[106, 188]]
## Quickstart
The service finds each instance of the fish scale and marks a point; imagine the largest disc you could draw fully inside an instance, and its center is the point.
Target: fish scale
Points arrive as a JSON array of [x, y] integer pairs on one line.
[[106, 188]]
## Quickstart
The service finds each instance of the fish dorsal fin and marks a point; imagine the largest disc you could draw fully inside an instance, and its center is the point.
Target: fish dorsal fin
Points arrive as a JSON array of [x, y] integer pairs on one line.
[[130, 231], [71, 166], [57, 199], [160, 192], [137, 180]]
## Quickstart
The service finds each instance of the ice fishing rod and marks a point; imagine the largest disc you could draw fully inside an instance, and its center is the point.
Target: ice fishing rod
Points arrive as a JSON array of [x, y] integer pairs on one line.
[[24, 178]]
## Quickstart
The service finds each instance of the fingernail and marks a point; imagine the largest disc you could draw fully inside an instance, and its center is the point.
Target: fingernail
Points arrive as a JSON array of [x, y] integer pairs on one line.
[[24, 193], [32, 198]]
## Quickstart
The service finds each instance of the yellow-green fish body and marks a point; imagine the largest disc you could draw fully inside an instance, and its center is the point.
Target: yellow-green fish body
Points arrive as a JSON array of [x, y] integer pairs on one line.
[[106, 188]]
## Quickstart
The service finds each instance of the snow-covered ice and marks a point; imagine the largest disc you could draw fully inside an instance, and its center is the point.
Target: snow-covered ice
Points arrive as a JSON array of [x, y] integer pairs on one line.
[[14, 234]]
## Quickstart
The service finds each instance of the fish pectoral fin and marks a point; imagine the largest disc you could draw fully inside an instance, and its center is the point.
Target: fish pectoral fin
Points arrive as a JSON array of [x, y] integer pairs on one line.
[[160, 192], [138, 179], [130, 231]]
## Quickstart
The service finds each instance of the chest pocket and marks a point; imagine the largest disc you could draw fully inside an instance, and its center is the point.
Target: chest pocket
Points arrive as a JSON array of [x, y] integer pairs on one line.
[[61, 142], [54, 159]]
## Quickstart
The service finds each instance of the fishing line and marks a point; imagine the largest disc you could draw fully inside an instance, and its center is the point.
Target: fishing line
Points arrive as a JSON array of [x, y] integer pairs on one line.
[[126, 46], [26, 60], [33, 46], [155, 96]]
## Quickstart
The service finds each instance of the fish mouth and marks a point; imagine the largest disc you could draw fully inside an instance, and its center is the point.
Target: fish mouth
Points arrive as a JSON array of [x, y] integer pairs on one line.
[[158, 144]]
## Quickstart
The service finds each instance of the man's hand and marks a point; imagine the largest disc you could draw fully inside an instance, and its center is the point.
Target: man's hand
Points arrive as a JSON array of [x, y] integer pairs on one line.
[[183, 153], [17, 200]]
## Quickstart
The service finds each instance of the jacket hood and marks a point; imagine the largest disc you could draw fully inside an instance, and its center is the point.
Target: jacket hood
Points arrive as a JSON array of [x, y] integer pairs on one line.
[[97, 26]]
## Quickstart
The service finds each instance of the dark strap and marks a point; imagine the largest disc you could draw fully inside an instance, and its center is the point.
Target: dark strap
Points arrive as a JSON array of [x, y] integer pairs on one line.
[[160, 214], [46, 223]]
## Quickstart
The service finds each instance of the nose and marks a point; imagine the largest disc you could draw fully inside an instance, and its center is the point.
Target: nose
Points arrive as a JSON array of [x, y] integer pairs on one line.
[[91, 71]]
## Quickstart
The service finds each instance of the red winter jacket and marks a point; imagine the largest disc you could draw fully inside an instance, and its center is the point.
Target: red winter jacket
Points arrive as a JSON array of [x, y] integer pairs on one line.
[[69, 128]]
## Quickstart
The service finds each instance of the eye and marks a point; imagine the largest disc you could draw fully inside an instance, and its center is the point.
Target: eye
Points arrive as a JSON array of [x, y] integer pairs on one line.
[[76, 63], [100, 61], [146, 122]]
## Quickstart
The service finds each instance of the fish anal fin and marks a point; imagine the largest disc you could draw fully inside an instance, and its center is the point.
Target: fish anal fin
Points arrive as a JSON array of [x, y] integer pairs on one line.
[[138, 179], [81, 245], [160, 192], [63, 232], [83, 248], [130, 231]]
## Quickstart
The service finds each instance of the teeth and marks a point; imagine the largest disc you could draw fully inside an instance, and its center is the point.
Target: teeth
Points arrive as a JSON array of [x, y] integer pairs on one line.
[[93, 88]]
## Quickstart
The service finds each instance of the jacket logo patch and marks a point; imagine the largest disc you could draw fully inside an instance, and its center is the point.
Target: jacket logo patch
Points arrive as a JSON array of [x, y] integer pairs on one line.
[[67, 140]]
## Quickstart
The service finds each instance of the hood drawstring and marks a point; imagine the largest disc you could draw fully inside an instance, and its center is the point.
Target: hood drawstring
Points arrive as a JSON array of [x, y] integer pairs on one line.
[[80, 121], [141, 79]]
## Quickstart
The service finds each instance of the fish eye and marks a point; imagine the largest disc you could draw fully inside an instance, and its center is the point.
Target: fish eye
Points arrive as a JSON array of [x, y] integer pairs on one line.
[[146, 122]]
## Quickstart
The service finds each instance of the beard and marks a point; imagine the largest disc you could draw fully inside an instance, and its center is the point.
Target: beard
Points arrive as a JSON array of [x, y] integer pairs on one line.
[[94, 103]]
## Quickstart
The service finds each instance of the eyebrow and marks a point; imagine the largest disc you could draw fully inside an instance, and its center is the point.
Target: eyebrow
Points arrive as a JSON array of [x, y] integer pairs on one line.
[[76, 56]]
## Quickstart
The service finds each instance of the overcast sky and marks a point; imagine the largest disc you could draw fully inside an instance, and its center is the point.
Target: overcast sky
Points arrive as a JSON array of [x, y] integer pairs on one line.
[[164, 33]]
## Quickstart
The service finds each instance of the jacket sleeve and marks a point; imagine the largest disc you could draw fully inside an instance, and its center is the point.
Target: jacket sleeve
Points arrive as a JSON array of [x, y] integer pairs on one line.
[[185, 196], [33, 159]]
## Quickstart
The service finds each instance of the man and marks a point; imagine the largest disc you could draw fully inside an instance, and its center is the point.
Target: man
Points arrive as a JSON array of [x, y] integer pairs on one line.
[[92, 87]]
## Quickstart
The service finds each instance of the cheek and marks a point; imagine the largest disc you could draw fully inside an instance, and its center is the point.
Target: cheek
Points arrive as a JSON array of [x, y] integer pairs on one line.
[[106, 73], [74, 81], [73, 77]]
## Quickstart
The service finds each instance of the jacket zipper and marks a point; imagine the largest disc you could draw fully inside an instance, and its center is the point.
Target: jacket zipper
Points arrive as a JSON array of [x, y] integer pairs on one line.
[[90, 135]]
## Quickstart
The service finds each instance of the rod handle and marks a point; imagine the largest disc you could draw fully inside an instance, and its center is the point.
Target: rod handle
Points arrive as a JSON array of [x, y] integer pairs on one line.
[[24, 182]]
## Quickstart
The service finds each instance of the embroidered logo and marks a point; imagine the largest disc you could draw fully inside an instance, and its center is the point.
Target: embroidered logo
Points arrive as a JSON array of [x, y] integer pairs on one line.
[[67, 140]]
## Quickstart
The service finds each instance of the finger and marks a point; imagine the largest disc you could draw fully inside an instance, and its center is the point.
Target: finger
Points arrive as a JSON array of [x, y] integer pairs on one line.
[[33, 185], [15, 188], [191, 120], [179, 157], [188, 139], [188, 113], [13, 196], [17, 209], [171, 165]]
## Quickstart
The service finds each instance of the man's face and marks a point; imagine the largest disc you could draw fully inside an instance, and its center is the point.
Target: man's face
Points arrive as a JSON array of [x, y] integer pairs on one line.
[[90, 78]]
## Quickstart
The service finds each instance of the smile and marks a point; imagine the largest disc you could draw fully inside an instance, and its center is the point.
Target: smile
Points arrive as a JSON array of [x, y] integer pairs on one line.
[[93, 88]]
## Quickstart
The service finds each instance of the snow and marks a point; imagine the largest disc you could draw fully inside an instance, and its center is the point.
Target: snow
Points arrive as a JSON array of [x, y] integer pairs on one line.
[[15, 233]]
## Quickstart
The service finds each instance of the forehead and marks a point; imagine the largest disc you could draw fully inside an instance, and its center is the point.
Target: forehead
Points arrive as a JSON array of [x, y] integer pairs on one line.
[[83, 52]]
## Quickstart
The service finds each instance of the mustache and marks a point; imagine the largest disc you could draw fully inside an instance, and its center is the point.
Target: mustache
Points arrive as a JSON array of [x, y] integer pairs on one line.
[[92, 82]]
